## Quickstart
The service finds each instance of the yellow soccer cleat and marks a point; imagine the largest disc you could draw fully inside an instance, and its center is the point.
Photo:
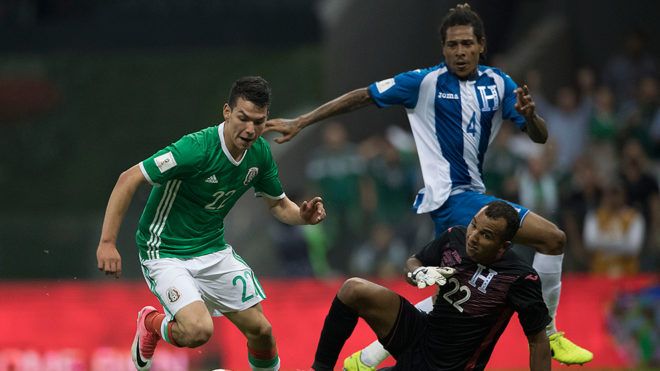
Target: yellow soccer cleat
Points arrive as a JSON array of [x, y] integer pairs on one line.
[[354, 363], [567, 352]]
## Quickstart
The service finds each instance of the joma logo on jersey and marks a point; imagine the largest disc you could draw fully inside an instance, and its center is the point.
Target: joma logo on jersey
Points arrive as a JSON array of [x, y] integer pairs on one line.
[[490, 100], [250, 175], [443, 95]]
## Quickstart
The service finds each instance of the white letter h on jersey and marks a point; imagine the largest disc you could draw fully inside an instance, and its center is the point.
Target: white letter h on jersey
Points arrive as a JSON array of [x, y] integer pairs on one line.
[[485, 98], [486, 279]]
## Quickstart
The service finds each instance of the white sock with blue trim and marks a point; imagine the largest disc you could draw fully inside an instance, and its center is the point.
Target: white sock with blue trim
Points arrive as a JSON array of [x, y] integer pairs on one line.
[[549, 269]]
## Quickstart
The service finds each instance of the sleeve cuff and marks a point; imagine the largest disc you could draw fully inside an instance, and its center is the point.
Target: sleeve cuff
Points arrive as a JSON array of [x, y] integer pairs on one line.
[[262, 194], [146, 176]]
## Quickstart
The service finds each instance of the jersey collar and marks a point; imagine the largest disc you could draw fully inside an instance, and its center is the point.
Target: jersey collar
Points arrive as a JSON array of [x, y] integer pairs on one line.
[[474, 76], [221, 130]]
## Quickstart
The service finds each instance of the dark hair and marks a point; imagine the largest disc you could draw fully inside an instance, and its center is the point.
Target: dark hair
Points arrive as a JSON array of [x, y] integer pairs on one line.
[[251, 88], [501, 209], [462, 15]]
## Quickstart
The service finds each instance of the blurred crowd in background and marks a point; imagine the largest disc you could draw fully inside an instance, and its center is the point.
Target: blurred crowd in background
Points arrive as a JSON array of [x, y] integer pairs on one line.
[[597, 178], [634, 320], [82, 100]]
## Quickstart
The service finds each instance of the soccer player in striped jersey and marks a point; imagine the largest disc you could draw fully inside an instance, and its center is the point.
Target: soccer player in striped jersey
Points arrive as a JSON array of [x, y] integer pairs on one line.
[[481, 283], [188, 265], [455, 109]]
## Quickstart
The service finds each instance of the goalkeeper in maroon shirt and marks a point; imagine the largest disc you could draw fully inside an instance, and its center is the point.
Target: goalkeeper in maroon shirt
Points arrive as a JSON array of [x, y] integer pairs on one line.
[[481, 283]]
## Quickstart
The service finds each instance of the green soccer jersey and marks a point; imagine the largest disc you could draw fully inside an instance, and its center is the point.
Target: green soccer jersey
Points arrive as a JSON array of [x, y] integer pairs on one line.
[[196, 182]]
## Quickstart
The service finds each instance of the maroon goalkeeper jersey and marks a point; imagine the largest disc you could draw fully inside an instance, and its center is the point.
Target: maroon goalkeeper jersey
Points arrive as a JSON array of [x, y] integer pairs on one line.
[[474, 307]]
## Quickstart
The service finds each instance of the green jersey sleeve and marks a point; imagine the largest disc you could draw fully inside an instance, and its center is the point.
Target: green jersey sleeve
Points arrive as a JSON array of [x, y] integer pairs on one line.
[[180, 160], [268, 182]]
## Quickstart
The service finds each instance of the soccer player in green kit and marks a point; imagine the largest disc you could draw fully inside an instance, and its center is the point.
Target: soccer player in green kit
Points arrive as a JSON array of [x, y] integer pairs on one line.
[[185, 260]]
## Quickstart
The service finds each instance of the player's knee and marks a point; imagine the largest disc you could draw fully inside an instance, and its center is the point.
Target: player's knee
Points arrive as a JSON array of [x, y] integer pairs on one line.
[[352, 291], [201, 337], [261, 333], [198, 333]]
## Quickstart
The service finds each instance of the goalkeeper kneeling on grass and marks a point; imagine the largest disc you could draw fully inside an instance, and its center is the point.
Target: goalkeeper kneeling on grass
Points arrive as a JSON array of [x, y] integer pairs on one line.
[[481, 283]]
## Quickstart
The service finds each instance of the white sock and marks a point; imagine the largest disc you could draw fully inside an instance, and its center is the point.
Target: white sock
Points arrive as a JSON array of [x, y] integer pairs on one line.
[[549, 270], [373, 354]]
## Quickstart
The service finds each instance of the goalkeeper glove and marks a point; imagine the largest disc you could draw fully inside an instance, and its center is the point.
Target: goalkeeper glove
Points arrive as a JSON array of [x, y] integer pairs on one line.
[[427, 276]]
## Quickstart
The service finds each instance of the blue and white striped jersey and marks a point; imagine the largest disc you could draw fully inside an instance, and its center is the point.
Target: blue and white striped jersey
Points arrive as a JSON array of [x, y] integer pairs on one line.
[[453, 121]]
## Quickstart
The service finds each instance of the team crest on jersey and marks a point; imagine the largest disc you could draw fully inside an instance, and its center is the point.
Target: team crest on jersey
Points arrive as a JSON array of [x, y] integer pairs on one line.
[[173, 294], [490, 99], [480, 280], [250, 175]]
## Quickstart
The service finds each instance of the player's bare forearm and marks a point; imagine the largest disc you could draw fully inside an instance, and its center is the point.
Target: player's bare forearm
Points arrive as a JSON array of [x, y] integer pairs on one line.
[[289, 128], [539, 352], [107, 256], [286, 211], [536, 129], [411, 264], [348, 102], [120, 199]]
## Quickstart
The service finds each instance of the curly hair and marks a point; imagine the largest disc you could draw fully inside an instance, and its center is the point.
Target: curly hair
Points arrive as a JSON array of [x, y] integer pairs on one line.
[[462, 15]]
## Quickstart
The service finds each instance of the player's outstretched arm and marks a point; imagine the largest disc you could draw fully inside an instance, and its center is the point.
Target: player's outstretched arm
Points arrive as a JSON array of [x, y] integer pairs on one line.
[[107, 255], [539, 351], [348, 102], [536, 128], [286, 211]]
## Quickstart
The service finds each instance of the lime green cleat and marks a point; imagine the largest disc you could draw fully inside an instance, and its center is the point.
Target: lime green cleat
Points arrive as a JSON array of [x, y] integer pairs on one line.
[[567, 352], [354, 363]]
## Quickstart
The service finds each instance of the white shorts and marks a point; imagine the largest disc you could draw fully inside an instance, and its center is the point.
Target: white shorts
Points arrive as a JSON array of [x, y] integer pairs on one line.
[[222, 280]]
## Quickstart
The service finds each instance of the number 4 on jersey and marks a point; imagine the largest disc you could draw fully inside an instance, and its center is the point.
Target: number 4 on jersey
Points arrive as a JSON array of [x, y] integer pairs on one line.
[[472, 125]]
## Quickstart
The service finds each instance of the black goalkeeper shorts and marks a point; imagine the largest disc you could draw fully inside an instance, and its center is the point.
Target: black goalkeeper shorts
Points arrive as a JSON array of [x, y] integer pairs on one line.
[[403, 340]]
